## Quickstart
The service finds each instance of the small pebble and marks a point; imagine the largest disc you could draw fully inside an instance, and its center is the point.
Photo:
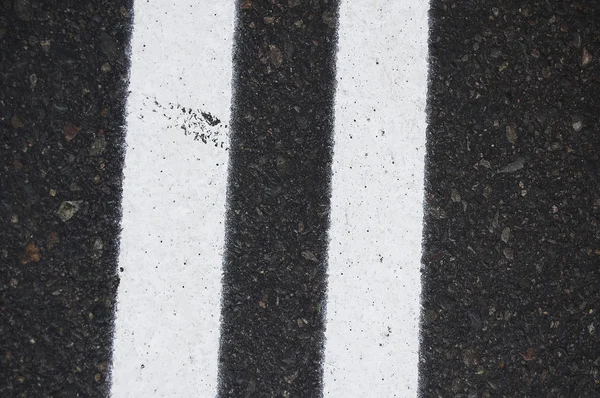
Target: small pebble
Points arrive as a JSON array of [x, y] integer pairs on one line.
[[32, 254], [455, 195], [309, 256], [577, 123], [98, 146], [16, 122], [586, 58], [70, 131], [33, 79], [518, 164], [98, 244], [511, 134], [505, 235], [68, 209], [275, 56], [508, 253]]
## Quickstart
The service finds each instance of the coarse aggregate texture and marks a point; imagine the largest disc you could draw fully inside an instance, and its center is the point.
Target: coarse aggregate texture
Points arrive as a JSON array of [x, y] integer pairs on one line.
[[278, 199], [511, 292], [63, 68]]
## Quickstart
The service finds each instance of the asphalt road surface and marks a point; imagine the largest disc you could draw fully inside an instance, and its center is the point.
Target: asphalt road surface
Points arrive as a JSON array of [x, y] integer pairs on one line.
[[62, 101], [279, 190], [511, 238], [511, 263]]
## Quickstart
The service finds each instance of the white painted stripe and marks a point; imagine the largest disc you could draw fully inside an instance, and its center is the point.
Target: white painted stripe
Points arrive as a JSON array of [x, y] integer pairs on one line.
[[372, 336], [167, 325]]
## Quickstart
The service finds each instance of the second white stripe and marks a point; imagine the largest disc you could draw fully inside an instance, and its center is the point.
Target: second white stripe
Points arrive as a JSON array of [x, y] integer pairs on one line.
[[372, 336]]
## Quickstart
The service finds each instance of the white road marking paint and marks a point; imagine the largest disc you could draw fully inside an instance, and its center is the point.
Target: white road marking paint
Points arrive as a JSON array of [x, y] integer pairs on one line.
[[168, 308], [372, 335]]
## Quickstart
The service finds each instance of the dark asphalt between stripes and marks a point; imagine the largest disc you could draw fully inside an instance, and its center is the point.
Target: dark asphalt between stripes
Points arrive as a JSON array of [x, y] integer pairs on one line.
[[278, 199], [511, 294], [64, 75]]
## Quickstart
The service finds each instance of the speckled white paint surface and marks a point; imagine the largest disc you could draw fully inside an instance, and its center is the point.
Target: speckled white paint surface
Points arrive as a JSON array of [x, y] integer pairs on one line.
[[372, 336], [168, 308]]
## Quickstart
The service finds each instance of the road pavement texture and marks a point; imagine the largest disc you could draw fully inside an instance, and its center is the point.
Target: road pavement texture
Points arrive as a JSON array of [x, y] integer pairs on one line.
[[278, 200], [511, 292], [62, 100], [511, 246]]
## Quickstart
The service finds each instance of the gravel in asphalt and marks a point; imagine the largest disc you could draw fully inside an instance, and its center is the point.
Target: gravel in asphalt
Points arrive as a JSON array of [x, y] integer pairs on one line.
[[63, 69], [511, 293]]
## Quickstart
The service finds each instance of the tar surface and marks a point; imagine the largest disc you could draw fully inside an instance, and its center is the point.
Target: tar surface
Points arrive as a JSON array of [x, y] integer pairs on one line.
[[63, 68], [511, 259], [278, 199]]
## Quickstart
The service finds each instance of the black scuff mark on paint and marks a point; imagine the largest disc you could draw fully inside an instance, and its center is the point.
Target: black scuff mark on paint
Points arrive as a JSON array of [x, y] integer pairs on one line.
[[210, 119], [199, 124]]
